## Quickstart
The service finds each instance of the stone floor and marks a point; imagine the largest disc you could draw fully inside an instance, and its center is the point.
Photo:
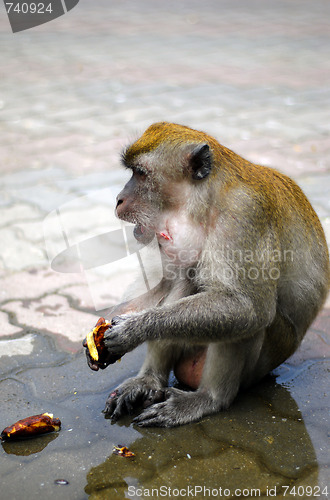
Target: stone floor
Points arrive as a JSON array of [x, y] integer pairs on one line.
[[73, 92]]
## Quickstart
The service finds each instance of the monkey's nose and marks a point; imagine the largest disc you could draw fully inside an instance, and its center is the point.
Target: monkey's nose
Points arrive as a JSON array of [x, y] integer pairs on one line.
[[121, 206]]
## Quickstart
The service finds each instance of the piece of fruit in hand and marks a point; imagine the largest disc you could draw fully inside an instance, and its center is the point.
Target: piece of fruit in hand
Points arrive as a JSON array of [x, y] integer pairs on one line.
[[31, 427], [95, 340]]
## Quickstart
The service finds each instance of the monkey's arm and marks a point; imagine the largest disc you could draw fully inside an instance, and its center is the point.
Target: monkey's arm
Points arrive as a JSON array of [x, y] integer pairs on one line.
[[204, 317], [147, 300]]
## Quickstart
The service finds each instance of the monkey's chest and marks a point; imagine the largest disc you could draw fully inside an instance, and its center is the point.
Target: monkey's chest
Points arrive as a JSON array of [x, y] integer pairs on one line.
[[180, 240]]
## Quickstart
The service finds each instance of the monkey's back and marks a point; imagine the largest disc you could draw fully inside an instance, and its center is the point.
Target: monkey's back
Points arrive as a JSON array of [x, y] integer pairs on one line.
[[304, 283], [275, 201]]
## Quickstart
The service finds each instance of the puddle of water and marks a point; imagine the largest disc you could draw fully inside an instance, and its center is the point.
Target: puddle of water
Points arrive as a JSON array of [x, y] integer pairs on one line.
[[272, 437]]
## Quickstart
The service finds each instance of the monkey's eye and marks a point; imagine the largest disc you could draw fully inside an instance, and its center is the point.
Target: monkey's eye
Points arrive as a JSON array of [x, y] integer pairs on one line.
[[139, 172]]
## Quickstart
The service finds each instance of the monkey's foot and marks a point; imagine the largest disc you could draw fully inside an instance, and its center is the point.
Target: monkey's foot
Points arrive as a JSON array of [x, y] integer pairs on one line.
[[181, 408], [131, 394]]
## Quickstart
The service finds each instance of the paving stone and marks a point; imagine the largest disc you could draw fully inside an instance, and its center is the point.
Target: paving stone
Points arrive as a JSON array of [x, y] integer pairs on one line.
[[18, 212], [25, 254], [34, 283], [17, 347], [80, 295], [6, 327], [74, 92], [54, 315], [30, 231]]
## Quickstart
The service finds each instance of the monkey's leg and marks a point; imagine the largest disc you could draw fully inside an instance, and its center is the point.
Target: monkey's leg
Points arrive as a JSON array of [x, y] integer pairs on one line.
[[148, 385], [225, 366]]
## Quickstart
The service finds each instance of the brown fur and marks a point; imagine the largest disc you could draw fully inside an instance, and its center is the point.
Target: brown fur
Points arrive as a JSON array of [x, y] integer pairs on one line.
[[219, 317]]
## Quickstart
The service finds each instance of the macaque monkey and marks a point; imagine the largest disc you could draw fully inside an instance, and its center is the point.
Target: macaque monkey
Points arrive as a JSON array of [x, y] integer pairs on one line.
[[245, 271]]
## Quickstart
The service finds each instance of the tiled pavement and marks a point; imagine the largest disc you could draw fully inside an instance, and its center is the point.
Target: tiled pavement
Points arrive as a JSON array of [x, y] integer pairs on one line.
[[72, 93]]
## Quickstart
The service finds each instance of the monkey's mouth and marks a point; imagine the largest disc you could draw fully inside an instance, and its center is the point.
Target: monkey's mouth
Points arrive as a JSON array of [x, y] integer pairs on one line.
[[143, 234]]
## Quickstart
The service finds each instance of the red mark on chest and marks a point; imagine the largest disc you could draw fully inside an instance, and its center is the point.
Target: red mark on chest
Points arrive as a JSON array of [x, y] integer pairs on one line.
[[165, 236]]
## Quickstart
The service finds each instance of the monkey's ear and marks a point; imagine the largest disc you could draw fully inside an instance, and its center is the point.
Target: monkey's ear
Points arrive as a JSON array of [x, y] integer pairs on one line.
[[200, 161]]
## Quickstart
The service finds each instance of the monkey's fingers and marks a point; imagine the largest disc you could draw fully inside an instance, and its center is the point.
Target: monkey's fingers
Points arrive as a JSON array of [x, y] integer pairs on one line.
[[114, 345], [108, 358]]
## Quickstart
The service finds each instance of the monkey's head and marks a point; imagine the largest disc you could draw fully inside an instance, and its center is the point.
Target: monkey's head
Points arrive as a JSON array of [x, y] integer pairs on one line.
[[171, 164]]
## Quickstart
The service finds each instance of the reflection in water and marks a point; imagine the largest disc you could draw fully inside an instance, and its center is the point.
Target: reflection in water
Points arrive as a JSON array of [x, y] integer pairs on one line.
[[29, 446], [260, 443]]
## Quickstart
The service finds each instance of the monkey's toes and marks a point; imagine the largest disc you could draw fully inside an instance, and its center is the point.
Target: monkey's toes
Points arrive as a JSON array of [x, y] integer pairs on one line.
[[111, 403], [154, 396], [159, 415]]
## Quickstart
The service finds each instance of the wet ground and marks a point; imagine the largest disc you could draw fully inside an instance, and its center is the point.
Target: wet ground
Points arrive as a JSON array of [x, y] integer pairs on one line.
[[73, 92]]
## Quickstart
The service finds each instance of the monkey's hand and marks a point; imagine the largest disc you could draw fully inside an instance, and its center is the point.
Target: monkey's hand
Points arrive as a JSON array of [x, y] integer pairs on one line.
[[107, 360], [142, 390], [123, 336]]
